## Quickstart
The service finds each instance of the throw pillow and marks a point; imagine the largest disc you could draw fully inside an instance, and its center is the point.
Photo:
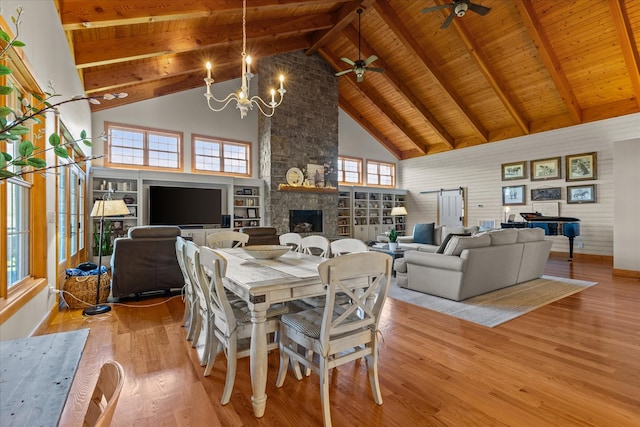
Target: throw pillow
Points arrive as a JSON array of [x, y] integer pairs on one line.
[[507, 236], [459, 243], [423, 233], [446, 241], [452, 229]]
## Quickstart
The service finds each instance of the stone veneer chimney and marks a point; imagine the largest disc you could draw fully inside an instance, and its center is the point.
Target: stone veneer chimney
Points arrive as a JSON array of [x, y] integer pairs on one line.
[[303, 130]]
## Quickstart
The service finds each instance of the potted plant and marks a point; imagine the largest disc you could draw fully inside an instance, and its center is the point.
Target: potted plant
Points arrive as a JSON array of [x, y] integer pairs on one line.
[[393, 240]]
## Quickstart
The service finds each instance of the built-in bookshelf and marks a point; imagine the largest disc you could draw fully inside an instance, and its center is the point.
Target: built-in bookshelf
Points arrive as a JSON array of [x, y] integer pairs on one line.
[[368, 211]]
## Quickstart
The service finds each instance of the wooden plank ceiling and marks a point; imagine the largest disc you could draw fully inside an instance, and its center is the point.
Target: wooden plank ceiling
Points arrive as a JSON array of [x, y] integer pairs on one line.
[[527, 66]]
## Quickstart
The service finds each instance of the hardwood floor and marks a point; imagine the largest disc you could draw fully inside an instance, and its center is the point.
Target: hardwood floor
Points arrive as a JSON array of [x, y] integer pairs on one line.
[[575, 362]]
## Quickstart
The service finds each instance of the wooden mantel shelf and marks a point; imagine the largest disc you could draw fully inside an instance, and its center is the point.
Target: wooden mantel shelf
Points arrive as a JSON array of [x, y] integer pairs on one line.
[[302, 189]]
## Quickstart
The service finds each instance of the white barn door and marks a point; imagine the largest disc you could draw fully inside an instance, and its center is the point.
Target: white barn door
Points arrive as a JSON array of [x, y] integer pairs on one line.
[[450, 207]]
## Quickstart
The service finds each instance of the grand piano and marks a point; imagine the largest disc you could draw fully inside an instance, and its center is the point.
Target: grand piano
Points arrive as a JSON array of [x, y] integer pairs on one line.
[[555, 226]]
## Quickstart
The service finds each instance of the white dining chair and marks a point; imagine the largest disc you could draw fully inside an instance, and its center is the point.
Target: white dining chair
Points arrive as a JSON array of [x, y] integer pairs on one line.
[[347, 246], [339, 334], [291, 239], [190, 296], [201, 321], [227, 239], [105, 395], [230, 322], [315, 245]]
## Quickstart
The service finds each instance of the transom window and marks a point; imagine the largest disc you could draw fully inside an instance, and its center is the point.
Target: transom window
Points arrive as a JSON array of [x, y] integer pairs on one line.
[[381, 173], [349, 170], [131, 146], [211, 155]]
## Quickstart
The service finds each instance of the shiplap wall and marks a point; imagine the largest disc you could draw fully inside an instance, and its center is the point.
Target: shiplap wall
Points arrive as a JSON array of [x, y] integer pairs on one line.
[[478, 169]]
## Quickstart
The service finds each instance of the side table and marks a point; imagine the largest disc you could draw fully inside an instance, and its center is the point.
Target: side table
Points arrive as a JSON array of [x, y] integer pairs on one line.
[[398, 253]]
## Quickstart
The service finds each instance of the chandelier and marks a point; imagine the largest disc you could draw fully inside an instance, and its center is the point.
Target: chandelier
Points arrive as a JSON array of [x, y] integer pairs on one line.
[[243, 102]]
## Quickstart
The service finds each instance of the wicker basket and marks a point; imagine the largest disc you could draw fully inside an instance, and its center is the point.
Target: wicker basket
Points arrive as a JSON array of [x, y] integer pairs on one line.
[[82, 290]]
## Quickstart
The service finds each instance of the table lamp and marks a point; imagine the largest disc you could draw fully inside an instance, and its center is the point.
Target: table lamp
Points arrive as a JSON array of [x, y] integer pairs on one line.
[[398, 210], [101, 208]]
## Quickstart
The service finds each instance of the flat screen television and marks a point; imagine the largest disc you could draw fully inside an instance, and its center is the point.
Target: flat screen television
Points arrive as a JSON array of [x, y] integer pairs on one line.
[[185, 206]]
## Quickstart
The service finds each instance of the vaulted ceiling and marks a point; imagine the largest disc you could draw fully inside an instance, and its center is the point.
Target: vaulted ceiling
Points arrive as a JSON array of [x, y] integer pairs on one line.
[[527, 66]]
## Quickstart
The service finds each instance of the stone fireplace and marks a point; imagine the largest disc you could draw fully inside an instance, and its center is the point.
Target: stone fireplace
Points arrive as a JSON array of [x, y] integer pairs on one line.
[[305, 221], [303, 130]]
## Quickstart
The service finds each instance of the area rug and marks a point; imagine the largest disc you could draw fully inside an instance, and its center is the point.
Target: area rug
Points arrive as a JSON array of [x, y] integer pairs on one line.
[[494, 308]]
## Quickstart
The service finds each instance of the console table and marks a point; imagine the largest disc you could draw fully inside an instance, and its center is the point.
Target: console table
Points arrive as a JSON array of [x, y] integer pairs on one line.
[[36, 374]]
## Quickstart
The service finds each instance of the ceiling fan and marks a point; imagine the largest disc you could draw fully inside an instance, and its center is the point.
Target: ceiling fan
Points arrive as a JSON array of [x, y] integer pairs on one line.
[[458, 8], [360, 66]]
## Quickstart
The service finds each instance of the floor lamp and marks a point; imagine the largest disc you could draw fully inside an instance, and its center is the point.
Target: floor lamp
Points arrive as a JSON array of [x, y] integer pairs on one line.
[[101, 208]]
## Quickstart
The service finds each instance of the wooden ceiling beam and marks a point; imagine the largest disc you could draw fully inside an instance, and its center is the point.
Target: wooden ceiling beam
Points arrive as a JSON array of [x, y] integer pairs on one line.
[[629, 50], [368, 126], [549, 58], [81, 14], [488, 72], [401, 87], [388, 14], [346, 14], [110, 51], [166, 86], [381, 105], [106, 79]]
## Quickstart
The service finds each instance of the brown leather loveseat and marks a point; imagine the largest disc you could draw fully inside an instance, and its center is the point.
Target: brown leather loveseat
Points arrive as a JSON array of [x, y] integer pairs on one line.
[[145, 261], [261, 235]]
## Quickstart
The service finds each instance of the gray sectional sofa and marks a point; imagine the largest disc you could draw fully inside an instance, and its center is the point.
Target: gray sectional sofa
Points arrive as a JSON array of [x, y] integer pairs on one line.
[[429, 237], [474, 265]]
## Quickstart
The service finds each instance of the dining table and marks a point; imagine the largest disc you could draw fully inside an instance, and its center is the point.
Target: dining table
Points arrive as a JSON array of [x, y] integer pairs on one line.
[[36, 374], [261, 283]]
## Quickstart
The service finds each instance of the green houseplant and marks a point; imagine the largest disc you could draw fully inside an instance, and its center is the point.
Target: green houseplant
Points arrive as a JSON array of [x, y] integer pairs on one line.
[[15, 124], [393, 239]]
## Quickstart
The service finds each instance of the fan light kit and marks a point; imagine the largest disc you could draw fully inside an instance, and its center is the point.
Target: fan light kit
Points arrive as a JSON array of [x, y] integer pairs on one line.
[[458, 8], [243, 102], [360, 66]]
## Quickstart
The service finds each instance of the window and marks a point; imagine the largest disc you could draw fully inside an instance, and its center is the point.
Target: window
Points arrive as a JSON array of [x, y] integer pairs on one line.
[[349, 170], [62, 211], [131, 146], [218, 156], [23, 249], [381, 173], [18, 231]]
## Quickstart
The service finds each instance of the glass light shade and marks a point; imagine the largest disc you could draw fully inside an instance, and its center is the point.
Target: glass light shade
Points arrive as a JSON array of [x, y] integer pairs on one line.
[[399, 210], [109, 208]]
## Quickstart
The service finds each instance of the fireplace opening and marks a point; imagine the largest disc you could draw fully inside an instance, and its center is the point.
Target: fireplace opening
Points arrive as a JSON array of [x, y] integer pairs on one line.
[[305, 221]]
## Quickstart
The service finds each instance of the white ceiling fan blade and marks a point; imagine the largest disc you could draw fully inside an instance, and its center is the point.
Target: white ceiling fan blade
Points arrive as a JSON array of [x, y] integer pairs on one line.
[[375, 70], [370, 59], [341, 73], [348, 61]]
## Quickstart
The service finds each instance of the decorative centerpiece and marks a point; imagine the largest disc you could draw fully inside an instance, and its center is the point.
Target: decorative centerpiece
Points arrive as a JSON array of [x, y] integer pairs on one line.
[[266, 251]]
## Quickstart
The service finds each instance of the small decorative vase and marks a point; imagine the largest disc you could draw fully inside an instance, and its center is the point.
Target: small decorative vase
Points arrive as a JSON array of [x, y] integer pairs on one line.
[[393, 246]]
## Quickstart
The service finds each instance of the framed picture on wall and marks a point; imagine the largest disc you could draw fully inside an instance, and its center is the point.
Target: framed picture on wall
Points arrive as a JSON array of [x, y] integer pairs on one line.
[[581, 167], [545, 169], [551, 193], [515, 170], [513, 195], [581, 193]]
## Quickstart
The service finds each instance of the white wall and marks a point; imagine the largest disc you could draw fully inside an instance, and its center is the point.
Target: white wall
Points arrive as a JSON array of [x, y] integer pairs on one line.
[[354, 141], [626, 248], [479, 170], [186, 112], [48, 54]]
